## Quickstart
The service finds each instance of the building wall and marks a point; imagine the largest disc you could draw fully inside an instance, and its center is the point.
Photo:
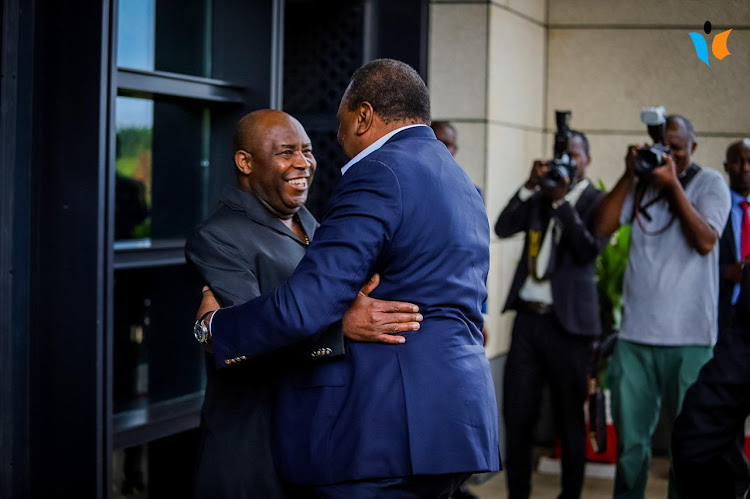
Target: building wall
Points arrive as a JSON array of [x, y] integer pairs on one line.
[[498, 70], [621, 56], [487, 76]]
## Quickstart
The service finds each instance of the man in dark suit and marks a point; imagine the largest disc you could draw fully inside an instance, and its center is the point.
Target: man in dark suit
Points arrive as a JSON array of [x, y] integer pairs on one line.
[[734, 247], [554, 294], [709, 434], [408, 420], [249, 245]]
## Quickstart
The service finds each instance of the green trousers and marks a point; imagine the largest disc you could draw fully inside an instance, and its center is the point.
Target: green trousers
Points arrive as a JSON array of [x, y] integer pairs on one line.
[[642, 378]]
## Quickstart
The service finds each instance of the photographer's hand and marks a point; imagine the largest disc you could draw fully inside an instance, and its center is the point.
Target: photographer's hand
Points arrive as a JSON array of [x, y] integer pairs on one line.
[[733, 272], [538, 171], [666, 175], [558, 192], [630, 161]]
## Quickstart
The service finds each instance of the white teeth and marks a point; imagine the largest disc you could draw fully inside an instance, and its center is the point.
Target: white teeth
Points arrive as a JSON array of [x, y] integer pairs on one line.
[[299, 182]]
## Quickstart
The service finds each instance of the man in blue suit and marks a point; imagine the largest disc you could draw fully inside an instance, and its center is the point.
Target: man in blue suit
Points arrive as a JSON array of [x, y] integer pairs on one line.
[[399, 420]]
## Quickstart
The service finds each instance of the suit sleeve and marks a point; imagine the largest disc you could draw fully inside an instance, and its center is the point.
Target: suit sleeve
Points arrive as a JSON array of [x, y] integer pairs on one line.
[[222, 265], [577, 233], [514, 218], [364, 214]]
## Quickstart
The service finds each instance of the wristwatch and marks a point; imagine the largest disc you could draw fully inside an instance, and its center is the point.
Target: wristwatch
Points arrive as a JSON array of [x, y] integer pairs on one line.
[[200, 330]]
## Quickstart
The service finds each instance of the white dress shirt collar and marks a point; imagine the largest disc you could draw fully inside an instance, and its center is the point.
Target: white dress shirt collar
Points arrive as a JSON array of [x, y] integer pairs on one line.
[[374, 147]]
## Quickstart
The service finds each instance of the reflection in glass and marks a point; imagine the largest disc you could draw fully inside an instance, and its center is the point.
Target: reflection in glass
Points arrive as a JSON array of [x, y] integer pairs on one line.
[[160, 468], [154, 359], [135, 34], [133, 167], [162, 160], [165, 35]]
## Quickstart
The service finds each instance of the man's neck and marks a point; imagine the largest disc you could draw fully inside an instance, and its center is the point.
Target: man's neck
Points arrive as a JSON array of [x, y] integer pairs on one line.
[[245, 186], [383, 129]]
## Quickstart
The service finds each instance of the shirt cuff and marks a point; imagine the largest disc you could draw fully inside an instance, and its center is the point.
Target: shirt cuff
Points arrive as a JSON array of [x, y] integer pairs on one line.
[[211, 322], [524, 193]]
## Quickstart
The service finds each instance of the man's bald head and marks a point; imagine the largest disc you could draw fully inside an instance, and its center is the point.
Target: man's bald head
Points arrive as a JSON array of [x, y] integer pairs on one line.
[[252, 129], [735, 149], [274, 161], [679, 135]]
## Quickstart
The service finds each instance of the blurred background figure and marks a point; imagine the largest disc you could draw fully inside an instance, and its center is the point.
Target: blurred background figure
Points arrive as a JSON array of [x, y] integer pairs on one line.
[[734, 247], [554, 294], [709, 435], [446, 133]]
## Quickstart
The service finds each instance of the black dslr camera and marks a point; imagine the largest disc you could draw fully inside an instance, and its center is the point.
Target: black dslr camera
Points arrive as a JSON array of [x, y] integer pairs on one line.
[[563, 166], [651, 157]]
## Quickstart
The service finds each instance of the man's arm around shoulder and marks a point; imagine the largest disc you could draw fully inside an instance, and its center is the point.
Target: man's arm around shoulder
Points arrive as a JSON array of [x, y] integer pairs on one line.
[[365, 211]]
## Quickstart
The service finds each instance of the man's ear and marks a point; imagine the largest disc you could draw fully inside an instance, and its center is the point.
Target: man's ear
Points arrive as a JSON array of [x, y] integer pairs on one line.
[[365, 118], [692, 149], [244, 162]]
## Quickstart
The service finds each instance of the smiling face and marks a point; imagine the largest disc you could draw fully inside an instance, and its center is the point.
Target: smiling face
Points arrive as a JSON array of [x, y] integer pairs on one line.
[[281, 164]]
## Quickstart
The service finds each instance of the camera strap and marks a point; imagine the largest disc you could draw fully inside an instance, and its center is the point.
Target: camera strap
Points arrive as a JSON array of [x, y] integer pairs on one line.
[[544, 234], [640, 208], [539, 230]]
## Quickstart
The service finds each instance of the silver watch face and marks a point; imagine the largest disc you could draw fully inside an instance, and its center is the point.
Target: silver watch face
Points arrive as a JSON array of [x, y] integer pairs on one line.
[[200, 331]]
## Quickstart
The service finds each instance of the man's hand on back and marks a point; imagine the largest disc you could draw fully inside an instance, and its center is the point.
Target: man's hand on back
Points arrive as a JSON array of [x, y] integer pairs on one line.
[[378, 321]]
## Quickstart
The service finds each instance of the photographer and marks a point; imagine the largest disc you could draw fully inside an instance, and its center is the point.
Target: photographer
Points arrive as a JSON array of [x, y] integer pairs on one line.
[[554, 293], [676, 210]]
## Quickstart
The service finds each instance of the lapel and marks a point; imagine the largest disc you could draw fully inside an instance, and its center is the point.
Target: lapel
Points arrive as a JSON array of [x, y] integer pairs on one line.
[[255, 211], [727, 239], [588, 195]]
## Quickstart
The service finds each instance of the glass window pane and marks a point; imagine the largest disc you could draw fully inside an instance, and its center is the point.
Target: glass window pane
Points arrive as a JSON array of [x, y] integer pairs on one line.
[[165, 35], [133, 181], [135, 34], [155, 355], [160, 468], [161, 164]]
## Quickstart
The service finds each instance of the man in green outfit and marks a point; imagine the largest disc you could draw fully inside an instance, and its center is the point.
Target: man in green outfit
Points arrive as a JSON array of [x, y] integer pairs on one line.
[[670, 293]]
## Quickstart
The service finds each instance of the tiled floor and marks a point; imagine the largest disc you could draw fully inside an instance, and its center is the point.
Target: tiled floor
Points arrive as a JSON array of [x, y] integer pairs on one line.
[[548, 486]]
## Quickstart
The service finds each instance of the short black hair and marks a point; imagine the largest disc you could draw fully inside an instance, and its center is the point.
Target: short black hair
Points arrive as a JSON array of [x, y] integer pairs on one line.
[[442, 124], [735, 148], [393, 88], [676, 118], [584, 139]]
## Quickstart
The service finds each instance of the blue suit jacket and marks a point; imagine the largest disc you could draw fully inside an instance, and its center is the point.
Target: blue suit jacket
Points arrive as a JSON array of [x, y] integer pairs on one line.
[[408, 212]]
